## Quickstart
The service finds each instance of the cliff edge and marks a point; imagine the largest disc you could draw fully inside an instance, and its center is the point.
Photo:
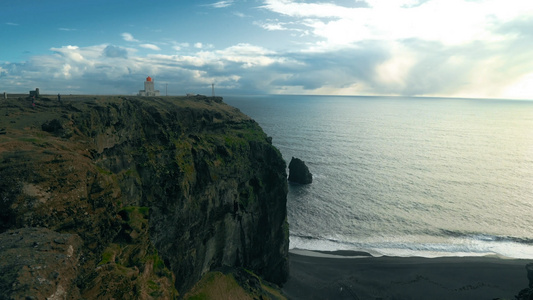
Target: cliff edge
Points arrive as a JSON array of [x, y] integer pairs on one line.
[[136, 197]]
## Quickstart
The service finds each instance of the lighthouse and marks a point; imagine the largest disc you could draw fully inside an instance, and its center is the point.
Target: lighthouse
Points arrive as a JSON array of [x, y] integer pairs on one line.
[[149, 88]]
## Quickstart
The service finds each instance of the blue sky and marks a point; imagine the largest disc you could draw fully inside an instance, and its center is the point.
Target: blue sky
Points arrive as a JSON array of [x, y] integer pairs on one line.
[[450, 48]]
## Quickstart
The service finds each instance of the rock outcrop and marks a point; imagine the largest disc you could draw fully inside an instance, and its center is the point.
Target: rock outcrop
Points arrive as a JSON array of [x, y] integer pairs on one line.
[[527, 293], [299, 172], [38, 263], [159, 191]]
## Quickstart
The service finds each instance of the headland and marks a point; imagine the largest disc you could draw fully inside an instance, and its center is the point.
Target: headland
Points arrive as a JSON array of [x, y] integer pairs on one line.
[[132, 197]]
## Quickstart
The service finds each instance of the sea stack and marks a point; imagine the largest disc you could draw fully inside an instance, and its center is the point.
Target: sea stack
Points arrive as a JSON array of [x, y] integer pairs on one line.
[[299, 172]]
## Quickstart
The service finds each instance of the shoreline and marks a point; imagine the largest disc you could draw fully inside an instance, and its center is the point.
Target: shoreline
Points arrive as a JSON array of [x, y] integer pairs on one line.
[[359, 275], [364, 254], [332, 254]]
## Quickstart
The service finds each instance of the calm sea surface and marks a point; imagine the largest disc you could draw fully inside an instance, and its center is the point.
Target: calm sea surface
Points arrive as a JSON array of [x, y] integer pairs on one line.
[[406, 176]]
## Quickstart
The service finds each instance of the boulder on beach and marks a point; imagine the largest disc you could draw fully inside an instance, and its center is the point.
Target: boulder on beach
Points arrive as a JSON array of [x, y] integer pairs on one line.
[[299, 172]]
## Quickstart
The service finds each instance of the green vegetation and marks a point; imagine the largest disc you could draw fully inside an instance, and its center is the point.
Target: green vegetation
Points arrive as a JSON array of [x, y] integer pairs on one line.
[[109, 254], [184, 159], [216, 285], [133, 253], [235, 142], [238, 284], [248, 198], [103, 171]]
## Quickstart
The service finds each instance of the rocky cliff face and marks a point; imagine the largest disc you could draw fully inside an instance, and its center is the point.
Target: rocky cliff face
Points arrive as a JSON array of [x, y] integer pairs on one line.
[[159, 191]]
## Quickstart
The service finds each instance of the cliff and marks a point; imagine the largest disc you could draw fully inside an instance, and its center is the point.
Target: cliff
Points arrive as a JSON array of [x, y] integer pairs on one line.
[[136, 197]]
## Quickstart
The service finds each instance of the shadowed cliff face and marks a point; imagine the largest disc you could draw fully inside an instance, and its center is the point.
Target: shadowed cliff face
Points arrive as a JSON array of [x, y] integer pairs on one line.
[[159, 190]]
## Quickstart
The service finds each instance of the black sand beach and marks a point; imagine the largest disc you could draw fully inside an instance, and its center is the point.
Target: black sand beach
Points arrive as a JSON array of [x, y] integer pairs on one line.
[[342, 276]]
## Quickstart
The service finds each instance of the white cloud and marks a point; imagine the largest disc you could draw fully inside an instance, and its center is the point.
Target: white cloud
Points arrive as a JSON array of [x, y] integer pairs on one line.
[[434, 47], [150, 46], [129, 37], [243, 55], [273, 26], [66, 29], [221, 4], [73, 53], [394, 71], [446, 21], [12, 24], [203, 46], [307, 10], [276, 25], [105, 69]]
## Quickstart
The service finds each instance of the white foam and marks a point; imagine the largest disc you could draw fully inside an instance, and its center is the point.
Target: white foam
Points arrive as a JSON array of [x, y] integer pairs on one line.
[[408, 247]]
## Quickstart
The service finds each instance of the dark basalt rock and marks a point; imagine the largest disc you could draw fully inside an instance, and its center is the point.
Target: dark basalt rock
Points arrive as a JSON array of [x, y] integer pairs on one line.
[[52, 126], [529, 269], [299, 172], [527, 293]]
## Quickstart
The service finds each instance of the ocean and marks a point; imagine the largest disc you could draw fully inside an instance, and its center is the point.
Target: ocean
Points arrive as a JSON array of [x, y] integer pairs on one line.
[[401, 176]]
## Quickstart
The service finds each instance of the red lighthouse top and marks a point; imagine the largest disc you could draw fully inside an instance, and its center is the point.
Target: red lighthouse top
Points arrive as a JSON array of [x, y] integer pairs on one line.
[[148, 78]]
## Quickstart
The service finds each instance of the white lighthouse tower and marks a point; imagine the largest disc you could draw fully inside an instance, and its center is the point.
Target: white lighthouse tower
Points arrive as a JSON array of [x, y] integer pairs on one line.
[[149, 88]]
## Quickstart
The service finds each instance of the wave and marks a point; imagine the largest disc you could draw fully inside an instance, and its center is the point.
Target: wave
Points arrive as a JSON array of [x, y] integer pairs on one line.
[[410, 246], [487, 237]]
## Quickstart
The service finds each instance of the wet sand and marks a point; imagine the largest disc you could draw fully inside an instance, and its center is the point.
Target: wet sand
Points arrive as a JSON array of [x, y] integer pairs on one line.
[[356, 275]]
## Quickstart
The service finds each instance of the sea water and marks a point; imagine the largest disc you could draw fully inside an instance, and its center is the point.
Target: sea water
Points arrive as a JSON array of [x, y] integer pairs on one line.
[[405, 176]]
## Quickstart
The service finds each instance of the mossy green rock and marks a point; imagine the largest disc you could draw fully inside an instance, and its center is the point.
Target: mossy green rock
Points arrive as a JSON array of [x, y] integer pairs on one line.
[[160, 190]]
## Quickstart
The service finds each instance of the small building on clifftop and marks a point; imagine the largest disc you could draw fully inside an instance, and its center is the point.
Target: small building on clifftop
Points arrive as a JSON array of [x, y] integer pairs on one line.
[[35, 93], [149, 88]]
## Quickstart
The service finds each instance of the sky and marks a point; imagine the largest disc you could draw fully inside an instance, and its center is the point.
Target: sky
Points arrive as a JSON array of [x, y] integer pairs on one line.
[[435, 48]]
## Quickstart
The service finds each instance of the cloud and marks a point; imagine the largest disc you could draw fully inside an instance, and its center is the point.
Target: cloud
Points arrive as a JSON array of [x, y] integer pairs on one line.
[[272, 26], [336, 52], [150, 46], [72, 53], [128, 37], [446, 21], [95, 69], [114, 51], [425, 47], [307, 10], [202, 45], [247, 55], [276, 25], [221, 4], [12, 24], [66, 29], [519, 27]]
